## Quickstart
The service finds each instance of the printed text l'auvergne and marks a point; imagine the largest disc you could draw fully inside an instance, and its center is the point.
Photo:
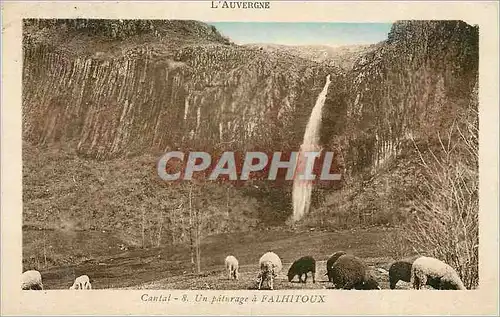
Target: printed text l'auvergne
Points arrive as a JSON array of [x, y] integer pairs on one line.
[[241, 4]]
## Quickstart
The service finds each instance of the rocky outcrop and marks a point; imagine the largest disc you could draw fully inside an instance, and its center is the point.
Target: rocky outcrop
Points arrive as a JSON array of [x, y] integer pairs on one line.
[[414, 85], [340, 56], [117, 90], [147, 99]]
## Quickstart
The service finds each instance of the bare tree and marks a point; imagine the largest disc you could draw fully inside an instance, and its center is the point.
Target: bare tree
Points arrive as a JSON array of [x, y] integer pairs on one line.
[[160, 229], [195, 230], [227, 202], [445, 223], [198, 241], [143, 227], [191, 222], [44, 248]]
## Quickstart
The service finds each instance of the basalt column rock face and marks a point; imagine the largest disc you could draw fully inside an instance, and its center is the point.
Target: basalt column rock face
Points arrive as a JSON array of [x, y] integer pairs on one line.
[[115, 97], [113, 90], [413, 85]]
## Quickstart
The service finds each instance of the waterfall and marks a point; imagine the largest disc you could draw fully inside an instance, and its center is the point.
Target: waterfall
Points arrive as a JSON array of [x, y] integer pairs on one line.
[[302, 188], [186, 109]]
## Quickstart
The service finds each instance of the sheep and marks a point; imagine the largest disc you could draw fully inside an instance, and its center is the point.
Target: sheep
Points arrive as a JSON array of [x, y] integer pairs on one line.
[[232, 267], [330, 262], [31, 280], [81, 283], [436, 273], [274, 258], [303, 266], [270, 266], [350, 272], [399, 271], [267, 273]]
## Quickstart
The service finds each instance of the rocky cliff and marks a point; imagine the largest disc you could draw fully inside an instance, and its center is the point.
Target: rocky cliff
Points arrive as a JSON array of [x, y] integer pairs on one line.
[[128, 98], [414, 85], [341, 56], [103, 99], [409, 91]]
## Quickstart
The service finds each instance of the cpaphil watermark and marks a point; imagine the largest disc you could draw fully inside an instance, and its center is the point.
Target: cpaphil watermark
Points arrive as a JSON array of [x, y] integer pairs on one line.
[[307, 166]]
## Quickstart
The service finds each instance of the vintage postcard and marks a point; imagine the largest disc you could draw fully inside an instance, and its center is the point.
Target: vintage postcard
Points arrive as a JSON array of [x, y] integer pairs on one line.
[[249, 158]]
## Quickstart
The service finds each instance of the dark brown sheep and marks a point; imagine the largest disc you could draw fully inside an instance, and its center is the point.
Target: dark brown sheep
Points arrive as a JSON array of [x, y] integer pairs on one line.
[[301, 267], [399, 271], [350, 272], [330, 261]]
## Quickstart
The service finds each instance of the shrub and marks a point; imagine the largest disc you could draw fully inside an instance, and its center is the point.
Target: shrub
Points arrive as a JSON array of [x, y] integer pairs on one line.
[[445, 222]]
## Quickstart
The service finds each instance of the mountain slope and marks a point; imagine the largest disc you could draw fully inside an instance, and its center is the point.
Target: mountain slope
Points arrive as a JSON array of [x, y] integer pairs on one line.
[[412, 86], [411, 91], [102, 100]]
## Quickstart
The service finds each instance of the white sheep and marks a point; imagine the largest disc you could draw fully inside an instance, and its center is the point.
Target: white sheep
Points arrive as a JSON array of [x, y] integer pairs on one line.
[[270, 265], [31, 280], [436, 273], [232, 267], [81, 283]]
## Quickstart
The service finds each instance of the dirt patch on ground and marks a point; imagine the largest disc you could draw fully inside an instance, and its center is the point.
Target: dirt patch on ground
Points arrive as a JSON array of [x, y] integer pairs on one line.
[[170, 268]]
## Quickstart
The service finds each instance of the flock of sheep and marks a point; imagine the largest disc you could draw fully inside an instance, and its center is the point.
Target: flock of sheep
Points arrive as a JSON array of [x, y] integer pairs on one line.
[[347, 271], [32, 280], [344, 270]]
